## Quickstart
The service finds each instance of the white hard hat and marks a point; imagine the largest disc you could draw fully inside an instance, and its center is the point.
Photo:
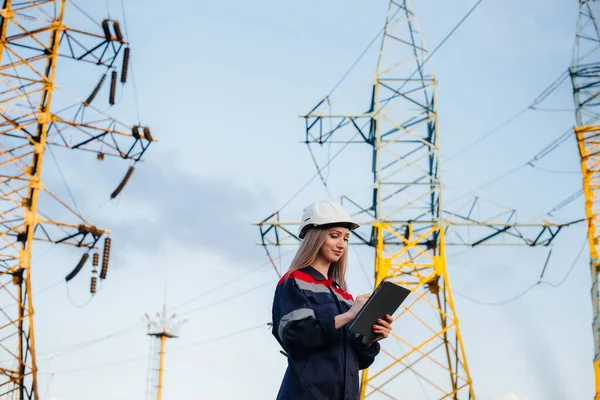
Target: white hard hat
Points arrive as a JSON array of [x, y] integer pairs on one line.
[[325, 213]]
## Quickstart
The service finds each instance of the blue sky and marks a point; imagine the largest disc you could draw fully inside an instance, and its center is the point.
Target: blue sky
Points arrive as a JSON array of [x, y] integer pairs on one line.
[[222, 85]]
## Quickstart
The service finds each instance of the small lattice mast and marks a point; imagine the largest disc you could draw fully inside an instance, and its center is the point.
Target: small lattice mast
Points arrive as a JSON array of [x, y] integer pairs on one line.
[[162, 328]]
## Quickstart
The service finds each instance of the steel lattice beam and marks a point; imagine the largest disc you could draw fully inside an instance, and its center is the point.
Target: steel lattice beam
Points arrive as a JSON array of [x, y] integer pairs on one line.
[[405, 222], [35, 40], [405, 215], [585, 77]]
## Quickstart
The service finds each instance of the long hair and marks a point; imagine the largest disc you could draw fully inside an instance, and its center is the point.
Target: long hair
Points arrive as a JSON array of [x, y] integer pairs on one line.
[[309, 249]]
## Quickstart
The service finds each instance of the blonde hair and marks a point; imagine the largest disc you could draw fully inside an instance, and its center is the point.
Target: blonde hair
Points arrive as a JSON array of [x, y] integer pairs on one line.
[[309, 249]]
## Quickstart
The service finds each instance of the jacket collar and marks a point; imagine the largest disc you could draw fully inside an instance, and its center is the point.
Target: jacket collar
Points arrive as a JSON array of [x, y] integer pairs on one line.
[[316, 275]]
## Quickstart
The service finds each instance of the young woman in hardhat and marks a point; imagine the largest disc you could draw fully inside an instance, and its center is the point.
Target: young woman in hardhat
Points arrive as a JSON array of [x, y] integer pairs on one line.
[[312, 308]]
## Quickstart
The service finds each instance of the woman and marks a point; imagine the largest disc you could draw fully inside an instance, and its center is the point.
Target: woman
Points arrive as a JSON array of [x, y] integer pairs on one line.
[[312, 308]]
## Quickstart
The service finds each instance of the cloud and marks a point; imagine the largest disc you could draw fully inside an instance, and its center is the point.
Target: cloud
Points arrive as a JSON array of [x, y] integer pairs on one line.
[[162, 206]]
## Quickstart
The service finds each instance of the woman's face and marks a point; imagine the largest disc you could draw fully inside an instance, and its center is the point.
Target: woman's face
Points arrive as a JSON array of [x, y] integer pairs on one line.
[[335, 245]]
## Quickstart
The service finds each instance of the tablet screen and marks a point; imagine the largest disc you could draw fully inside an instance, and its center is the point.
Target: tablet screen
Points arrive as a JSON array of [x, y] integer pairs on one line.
[[385, 300]]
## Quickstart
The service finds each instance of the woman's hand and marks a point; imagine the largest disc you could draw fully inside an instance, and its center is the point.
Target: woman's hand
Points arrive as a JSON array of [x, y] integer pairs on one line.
[[358, 305], [345, 318], [382, 329]]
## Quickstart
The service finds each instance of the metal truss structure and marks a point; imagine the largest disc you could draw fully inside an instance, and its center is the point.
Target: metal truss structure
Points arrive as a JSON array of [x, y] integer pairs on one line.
[[36, 115], [407, 226], [585, 77], [160, 329]]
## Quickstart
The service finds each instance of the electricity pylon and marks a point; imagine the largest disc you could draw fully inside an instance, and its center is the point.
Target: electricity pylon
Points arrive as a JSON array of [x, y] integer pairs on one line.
[[585, 77], [36, 115], [161, 328], [409, 230]]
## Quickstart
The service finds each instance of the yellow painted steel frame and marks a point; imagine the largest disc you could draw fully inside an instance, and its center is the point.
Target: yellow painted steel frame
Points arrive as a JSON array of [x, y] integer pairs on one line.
[[21, 274], [31, 35], [163, 340], [411, 250], [426, 357], [437, 346], [588, 141]]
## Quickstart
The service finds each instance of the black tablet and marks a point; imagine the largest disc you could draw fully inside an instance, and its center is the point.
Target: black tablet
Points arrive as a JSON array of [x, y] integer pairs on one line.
[[385, 300]]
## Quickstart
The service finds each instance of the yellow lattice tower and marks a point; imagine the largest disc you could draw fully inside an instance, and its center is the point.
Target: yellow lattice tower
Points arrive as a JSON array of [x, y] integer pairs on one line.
[[589, 149], [405, 223], [160, 329], [585, 76], [35, 116]]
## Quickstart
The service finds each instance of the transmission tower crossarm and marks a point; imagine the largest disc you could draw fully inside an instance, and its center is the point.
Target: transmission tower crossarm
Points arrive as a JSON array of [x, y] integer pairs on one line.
[[348, 117], [106, 139], [403, 218], [280, 233], [34, 37], [497, 232], [96, 35]]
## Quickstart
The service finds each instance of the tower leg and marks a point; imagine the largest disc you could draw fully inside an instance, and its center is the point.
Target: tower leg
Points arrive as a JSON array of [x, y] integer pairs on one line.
[[428, 327], [163, 339]]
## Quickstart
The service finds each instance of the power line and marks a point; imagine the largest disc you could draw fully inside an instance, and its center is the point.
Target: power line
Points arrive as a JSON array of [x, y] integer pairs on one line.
[[318, 172], [444, 40], [420, 67], [552, 145], [553, 109], [252, 289], [55, 284], [485, 136], [216, 339], [220, 287], [137, 326], [489, 182], [133, 359], [362, 267], [135, 91], [78, 346], [93, 20], [93, 367], [541, 97], [563, 280], [528, 289], [65, 181], [339, 82], [549, 148], [134, 327], [499, 303], [75, 304], [463, 19], [555, 171], [566, 201]]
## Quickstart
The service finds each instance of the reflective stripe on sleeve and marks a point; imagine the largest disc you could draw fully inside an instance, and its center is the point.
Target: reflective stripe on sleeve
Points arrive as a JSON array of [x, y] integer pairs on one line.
[[296, 315]]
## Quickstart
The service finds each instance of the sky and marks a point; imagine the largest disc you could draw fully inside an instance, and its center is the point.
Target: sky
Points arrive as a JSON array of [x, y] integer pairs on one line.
[[222, 85]]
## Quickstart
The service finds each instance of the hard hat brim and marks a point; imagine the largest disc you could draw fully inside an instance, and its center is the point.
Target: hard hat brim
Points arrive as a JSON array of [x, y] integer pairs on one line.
[[351, 225]]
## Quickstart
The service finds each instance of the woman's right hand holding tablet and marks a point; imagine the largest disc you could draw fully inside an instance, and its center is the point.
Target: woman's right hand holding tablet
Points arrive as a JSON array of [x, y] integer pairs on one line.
[[358, 304], [343, 319]]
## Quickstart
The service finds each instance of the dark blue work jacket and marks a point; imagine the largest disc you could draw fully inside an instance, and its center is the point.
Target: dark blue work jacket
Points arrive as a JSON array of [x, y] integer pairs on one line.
[[323, 362]]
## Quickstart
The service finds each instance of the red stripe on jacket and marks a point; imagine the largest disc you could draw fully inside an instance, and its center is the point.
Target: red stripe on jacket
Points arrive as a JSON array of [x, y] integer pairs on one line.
[[303, 276]]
